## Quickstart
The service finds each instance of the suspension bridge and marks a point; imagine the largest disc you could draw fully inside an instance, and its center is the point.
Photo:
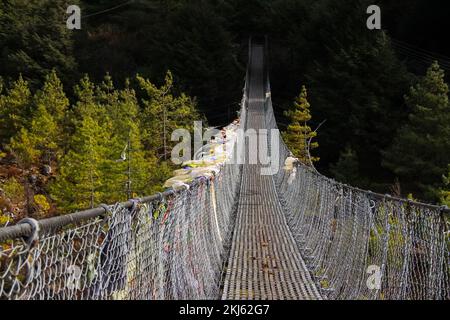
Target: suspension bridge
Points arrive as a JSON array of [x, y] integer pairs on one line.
[[237, 234]]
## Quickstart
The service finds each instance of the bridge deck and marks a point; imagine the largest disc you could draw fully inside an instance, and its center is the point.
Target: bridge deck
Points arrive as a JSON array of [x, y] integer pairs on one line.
[[264, 262]]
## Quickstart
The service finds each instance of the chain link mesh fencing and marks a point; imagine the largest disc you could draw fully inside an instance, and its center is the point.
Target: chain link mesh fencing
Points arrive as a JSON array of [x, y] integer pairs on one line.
[[359, 244], [168, 246]]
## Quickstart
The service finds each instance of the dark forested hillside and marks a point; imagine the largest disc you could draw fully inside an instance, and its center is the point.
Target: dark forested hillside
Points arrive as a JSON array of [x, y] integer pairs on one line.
[[190, 38], [366, 87]]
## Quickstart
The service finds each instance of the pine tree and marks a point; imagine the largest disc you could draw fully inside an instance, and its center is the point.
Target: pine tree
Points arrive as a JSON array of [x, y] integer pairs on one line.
[[346, 170], [23, 147], [130, 172], [80, 179], [141, 164], [106, 161], [53, 97], [15, 110], [43, 142], [420, 154], [87, 101], [298, 135], [163, 113]]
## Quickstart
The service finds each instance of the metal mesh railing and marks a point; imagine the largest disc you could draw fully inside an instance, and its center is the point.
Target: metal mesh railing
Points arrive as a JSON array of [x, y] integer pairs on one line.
[[359, 244], [168, 246]]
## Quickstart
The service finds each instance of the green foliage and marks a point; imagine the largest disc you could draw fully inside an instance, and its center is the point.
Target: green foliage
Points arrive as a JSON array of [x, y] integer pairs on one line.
[[15, 110], [86, 103], [354, 78], [191, 38], [445, 192], [164, 112], [44, 139], [133, 167], [346, 170], [53, 98], [298, 134], [23, 148], [41, 201], [103, 149], [108, 159], [4, 219], [356, 83], [419, 154], [201, 53], [360, 109], [13, 190], [35, 39], [80, 182], [80, 179]]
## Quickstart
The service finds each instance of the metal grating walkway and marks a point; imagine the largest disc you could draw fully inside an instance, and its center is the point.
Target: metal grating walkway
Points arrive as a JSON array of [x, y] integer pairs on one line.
[[264, 261]]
